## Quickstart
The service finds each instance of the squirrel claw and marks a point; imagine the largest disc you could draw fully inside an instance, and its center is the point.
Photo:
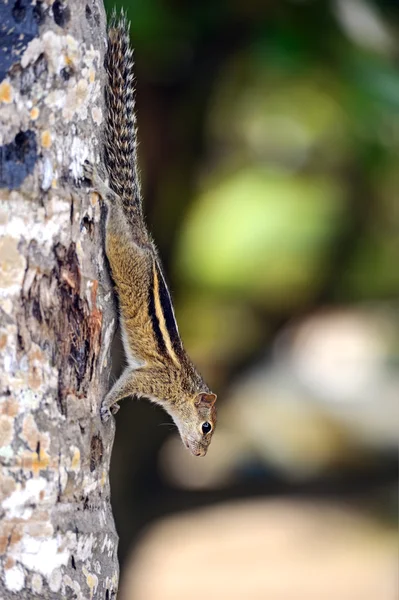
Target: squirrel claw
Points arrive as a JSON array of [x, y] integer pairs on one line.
[[105, 414]]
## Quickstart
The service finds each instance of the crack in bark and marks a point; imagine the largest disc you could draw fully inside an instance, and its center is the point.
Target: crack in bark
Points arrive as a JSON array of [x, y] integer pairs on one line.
[[55, 316]]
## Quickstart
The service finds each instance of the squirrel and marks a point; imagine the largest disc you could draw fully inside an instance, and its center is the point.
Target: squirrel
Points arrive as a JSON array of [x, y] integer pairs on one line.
[[158, 366]]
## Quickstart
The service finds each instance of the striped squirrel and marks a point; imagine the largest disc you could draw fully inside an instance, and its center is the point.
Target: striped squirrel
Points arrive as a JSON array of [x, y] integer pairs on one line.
[[158, 366]]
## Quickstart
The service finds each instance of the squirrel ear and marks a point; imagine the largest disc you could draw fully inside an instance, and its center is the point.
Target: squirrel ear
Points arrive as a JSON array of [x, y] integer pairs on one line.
[[205, 400]]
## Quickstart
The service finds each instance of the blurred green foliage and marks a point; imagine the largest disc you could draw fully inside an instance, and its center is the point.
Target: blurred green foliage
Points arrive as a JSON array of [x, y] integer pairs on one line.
[[261, 235]]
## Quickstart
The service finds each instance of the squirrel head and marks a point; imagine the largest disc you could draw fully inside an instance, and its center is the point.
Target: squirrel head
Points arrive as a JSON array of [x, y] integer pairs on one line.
[[196, 420]]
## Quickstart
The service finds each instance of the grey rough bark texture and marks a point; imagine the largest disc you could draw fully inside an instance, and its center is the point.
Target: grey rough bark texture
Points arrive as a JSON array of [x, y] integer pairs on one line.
[[57, 533]]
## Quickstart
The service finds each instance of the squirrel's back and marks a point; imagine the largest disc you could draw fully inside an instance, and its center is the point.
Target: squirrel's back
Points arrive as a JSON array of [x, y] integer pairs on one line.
[[120, 129]]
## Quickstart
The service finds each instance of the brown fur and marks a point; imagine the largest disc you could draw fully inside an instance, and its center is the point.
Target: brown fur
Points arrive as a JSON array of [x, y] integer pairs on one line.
[[158, 366]]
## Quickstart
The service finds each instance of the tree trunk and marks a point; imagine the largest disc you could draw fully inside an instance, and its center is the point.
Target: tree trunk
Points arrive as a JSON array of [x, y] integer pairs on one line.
[[57, 533]]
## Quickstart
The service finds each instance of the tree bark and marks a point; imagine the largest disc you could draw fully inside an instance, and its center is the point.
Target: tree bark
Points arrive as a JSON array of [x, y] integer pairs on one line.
[[57, 317]]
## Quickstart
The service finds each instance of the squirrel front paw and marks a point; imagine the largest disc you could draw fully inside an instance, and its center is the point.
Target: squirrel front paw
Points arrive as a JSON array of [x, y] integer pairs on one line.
[[106, 412]]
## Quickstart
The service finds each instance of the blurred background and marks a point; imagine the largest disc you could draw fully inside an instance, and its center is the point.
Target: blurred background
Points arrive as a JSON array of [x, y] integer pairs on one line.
[[269, 138]]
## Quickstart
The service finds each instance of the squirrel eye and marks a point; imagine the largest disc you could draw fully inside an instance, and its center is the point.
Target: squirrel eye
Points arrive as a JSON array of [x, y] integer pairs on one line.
[[206, 427]]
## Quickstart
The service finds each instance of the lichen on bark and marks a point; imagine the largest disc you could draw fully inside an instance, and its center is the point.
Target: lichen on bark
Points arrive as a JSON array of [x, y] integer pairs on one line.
[[57, 534]]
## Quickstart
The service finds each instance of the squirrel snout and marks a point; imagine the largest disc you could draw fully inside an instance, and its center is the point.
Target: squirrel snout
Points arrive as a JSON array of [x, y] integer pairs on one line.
[[199, 452], [195, 449]]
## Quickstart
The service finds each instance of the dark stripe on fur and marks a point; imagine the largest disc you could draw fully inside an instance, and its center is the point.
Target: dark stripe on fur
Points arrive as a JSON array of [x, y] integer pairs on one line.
[[168, 312], [154, 319]]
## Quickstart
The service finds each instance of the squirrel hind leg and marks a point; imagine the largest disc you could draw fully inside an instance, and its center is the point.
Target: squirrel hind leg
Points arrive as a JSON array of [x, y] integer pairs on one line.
[[91, 173]]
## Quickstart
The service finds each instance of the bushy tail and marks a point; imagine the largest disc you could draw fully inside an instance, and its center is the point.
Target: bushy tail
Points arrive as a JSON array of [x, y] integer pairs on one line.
[[120, 130]]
